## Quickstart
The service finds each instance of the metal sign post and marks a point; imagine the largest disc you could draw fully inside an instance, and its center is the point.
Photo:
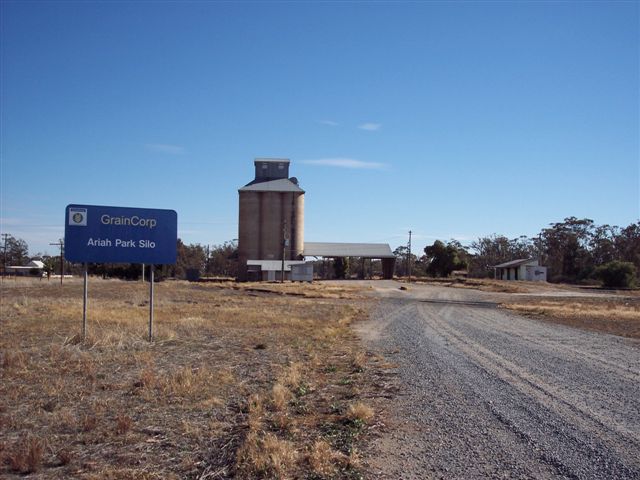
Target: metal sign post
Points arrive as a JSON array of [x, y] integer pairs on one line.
[[102, 234], [84, 301], [151, 281]]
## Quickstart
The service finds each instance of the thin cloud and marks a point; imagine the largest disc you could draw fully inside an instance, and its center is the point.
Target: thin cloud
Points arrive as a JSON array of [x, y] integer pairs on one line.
[[445, 237], [329, 123], [165, 148], [371, 127], [346, 163]]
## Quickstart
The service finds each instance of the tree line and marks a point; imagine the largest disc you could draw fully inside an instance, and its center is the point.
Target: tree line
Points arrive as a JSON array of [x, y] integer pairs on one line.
[[574, 251], [195, 260]]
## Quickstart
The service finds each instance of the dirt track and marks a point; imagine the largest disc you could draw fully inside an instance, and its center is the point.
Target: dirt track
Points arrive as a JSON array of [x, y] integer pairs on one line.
[[485, 393]]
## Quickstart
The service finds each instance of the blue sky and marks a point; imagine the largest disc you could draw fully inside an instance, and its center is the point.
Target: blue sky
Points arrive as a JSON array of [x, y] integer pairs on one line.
[[454, 120]]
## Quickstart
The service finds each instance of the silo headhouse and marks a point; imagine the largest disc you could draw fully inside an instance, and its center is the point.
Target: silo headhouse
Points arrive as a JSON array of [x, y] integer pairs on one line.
[[271, 223]]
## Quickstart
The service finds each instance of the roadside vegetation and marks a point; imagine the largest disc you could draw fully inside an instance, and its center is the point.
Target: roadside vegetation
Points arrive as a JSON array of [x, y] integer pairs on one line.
[[613, 314], [247, 382]]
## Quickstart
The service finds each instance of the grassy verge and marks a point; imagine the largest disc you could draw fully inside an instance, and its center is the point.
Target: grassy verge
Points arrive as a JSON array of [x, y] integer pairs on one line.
[[240, 382], [616, 316]]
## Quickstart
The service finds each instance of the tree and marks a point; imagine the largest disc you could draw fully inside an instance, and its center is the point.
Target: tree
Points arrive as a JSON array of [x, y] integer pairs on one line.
[[496, 249], [627, 244], [49, 265], [17, 251], [566, 246], [617, 274], [444, 258], [189, 257], [222, 259], [402, 262]]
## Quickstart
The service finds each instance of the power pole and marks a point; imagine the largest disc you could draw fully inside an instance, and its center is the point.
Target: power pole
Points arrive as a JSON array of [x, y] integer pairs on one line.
[[409, 258], [4, 269], [60, 244], [284, 248], [540, 249]]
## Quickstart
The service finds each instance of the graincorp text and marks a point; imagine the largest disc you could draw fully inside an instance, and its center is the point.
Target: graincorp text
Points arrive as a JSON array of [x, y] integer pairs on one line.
[[134, 221]]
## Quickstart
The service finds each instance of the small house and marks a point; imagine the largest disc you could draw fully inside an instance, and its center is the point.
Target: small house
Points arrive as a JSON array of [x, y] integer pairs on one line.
[[523, 269]]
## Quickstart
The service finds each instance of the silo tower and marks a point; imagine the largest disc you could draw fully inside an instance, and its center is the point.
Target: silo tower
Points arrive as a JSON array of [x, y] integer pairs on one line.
[[271, 215]]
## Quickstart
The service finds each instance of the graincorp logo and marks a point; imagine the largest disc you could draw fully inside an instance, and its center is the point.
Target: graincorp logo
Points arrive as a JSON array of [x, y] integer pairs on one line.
[[78, 217]]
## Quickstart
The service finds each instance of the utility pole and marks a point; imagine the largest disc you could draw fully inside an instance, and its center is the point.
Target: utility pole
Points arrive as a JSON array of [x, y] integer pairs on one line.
[[60, 244], [540, 249], [409, 257], [4, 269], [284, 248]]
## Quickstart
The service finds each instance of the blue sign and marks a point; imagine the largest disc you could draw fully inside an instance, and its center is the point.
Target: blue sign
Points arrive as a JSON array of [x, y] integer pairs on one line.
[[99, 234]]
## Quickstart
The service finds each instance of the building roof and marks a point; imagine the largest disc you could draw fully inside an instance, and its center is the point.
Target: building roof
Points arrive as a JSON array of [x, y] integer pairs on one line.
[[279, 185], [333, 250], [267, 265], [516, 263], [271, 160], [28, 266]]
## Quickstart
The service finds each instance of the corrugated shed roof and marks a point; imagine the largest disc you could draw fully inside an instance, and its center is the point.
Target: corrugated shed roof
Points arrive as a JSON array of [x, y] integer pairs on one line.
[[279, 185], [516, 263], [330, 250]]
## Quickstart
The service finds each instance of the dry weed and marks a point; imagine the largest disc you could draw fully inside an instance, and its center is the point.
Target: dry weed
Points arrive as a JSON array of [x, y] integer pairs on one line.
[[123, 424], [266, 455], [292, 376], [186, 381], [66, 421], [13, 359], [255, 410], [148, 378], [26, 455], [280, 396], [359, 361], [89, 422], [360, 412], [324, 460]]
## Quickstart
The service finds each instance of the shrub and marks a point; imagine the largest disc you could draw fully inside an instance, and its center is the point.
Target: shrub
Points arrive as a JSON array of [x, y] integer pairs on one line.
[[617, 274]]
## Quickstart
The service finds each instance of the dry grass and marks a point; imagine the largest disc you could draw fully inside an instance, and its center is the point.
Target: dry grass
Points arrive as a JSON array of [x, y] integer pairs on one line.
[[305, 290], [324, 460], [266, 455], [26, 455], [485, 285], [360, 412], [235, 385], [614, 315]]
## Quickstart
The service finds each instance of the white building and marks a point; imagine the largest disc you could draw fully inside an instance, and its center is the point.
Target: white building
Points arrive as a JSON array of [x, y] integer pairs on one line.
[[34, 267], [524, 269]]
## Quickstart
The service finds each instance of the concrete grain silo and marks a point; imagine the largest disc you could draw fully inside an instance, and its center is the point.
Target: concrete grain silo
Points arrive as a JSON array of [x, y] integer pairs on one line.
[[271, 216]]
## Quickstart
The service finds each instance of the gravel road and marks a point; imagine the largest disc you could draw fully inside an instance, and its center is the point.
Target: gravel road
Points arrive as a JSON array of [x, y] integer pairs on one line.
[[484, 393]]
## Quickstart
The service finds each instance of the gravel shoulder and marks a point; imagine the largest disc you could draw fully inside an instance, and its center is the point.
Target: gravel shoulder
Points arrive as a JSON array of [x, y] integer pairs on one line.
[[485, 393]]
